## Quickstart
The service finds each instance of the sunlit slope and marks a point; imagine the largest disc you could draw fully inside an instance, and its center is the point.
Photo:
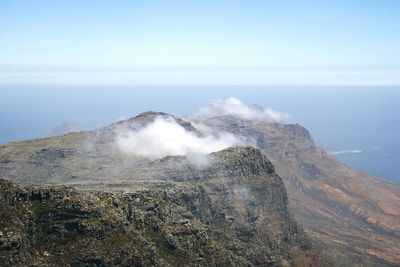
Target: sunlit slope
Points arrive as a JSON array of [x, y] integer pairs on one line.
[[342, 208]]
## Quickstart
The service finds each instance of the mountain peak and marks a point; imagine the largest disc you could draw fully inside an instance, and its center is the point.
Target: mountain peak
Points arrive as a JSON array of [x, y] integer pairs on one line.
[[145, 118], [153, 114], [247, 160]]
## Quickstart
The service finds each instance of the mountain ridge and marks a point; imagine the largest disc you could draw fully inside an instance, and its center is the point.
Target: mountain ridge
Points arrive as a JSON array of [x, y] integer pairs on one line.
[[350, 215], [321, 189], [236, 215]]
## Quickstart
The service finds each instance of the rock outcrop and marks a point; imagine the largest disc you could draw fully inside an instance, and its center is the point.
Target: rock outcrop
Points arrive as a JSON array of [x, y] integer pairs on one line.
[[236, 214], [352, 216]]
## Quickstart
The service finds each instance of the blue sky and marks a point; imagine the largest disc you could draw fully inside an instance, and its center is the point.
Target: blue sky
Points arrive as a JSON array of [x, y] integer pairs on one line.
[[206, 42]]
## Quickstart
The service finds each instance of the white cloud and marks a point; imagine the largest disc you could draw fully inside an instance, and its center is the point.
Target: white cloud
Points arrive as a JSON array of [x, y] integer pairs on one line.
[[166, 137], [235, 107]]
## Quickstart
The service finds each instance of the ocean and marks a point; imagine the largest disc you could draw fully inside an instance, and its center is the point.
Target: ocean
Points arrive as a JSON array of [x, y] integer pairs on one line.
[[359, 125]]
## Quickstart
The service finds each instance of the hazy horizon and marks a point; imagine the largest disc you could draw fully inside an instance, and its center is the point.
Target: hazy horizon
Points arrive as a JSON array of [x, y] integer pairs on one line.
[[199, 43]]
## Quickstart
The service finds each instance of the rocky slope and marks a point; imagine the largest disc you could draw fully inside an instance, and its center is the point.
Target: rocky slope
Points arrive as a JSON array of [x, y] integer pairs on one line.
[[233, 213], [353, 217]]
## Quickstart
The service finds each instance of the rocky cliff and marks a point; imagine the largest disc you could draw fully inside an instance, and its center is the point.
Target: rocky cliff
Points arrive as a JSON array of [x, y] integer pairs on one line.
[[235, 213], [352, 217]]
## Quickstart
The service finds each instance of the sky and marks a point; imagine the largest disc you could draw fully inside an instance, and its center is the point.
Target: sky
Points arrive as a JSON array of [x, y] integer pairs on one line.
[[214, 42]]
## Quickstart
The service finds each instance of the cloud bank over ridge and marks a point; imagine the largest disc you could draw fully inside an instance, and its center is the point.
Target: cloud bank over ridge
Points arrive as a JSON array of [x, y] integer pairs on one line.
[[235, 107], [165, 137]]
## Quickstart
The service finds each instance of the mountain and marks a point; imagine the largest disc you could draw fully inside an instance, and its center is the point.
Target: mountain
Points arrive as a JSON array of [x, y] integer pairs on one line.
[[234, 213], [351, 217]]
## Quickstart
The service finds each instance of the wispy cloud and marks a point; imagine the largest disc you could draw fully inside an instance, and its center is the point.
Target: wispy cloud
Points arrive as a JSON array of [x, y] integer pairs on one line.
[[165, 137], [235, 107]]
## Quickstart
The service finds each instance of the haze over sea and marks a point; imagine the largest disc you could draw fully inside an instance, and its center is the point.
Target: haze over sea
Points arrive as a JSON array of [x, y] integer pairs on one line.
[[360, 124]]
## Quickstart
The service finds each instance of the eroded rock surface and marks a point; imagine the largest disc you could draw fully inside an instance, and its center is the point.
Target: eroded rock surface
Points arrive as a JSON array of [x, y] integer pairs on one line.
[[235, 215]]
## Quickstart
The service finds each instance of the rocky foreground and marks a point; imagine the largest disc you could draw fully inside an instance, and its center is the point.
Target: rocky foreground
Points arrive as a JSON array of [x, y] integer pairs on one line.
[[234, 213]]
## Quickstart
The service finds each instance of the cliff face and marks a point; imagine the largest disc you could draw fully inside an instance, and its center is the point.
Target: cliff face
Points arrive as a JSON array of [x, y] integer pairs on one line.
[[355, 217], [233, 214]]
